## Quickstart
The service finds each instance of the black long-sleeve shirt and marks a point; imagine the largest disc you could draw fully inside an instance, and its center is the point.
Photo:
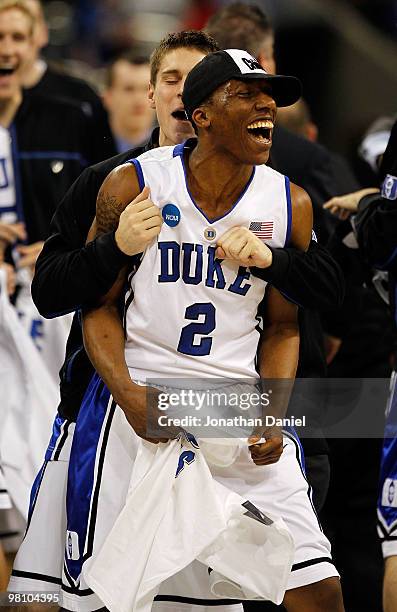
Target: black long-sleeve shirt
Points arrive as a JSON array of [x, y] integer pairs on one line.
[[70, 274], [376, 221]]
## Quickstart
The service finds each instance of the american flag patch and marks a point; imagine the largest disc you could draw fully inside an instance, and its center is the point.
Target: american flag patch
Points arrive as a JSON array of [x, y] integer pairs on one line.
[[262, 229]]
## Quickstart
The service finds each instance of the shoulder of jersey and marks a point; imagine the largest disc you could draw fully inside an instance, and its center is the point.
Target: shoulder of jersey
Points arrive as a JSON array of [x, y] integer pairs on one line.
[[270, 172], [159, 154]]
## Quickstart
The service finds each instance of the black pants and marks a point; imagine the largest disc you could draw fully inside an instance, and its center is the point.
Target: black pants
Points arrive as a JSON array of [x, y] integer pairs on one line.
[[349, 521]]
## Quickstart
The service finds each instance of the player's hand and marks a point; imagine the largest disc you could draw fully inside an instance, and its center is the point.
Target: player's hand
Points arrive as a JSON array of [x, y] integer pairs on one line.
[[139, 224], [344, 206], [242, 246], [10, 233], [29, 254], [268, 452], [136, 412]]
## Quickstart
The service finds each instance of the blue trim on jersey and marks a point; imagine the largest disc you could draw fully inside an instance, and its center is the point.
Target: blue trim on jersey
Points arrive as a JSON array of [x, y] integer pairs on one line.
[[34, 491], [55, 436], [7, 209], [17, 175], [178, 149], [81, 476], [242, 194], [389, 463], [289, 210], [290, 432], [139, 172], [56, 433], [54, 155]]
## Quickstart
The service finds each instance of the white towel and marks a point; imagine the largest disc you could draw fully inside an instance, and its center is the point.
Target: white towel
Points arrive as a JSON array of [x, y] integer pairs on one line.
[[176, 512]]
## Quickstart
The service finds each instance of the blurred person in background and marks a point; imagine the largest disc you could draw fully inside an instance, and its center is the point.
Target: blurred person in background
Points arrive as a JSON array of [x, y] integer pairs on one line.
[[375, 225], [40, 78], [367, 339], [359, 342], [45, 143], [371, 149], [126, 100], [298, 120]]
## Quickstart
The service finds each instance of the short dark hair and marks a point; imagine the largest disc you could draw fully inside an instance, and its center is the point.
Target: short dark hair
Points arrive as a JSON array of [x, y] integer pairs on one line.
[[189, 39], [132, 57], [240, 26]]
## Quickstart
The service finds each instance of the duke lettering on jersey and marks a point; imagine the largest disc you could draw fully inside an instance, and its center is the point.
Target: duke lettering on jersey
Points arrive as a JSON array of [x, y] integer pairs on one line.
[[189, 261]]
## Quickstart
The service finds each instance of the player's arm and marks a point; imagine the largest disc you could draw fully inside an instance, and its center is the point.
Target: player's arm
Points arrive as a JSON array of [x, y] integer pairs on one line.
[[279, 347], [310, 276], [70, 272], [302, 218], [102, 327]]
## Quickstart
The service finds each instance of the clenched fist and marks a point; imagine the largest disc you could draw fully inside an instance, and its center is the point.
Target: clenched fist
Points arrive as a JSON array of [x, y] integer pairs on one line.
[[139, 224], [241, 245]]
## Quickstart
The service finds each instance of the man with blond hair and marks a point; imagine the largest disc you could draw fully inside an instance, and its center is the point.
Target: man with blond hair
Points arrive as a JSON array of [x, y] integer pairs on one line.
[[44, 144]]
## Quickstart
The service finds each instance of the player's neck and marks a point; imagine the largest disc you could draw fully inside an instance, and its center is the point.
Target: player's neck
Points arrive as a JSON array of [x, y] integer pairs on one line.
[[216, 180], [8, 109]]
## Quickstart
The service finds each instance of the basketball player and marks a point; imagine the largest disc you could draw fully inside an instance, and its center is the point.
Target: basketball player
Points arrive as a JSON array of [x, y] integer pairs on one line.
[[69, 273], [219, 183]]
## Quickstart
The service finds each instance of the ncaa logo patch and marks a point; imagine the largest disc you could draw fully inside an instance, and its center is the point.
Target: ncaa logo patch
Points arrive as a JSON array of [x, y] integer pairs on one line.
[[389, 187], [171, 215], [209, 233]]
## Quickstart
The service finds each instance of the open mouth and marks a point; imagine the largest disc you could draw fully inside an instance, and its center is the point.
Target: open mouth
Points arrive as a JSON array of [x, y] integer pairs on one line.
[[261, 130], [6, 70], [180, 115]]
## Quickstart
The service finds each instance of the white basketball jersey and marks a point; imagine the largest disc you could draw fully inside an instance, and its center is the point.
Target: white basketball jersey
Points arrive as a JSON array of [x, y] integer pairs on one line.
[[189, 314]]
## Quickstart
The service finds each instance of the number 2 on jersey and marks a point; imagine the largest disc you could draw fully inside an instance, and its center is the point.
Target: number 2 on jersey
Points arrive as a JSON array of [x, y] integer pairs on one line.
[[186, 341]]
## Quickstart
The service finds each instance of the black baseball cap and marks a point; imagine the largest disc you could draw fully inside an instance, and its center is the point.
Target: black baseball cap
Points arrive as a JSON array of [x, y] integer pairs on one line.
[[221, 66]]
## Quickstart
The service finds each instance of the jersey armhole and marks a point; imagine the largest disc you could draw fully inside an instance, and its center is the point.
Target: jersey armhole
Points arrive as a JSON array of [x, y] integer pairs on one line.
[[139, 172], [289, 210]]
